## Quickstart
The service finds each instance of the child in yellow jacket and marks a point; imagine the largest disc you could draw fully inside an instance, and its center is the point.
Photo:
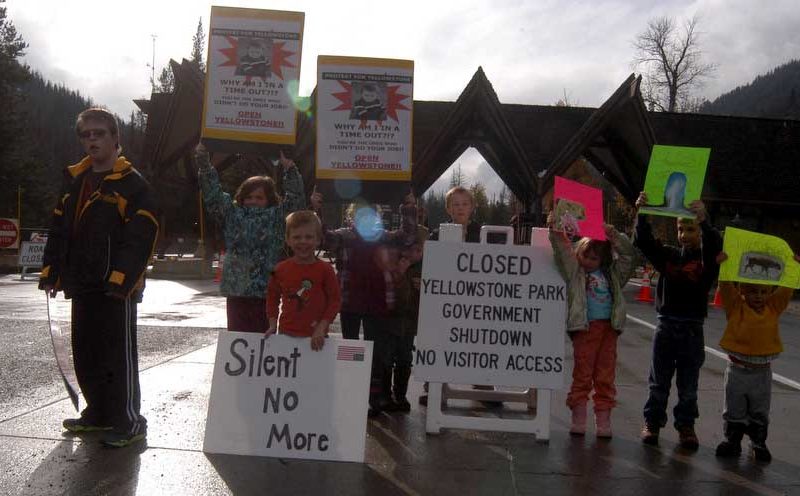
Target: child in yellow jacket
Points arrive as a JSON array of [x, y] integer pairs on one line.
[[752, 341]]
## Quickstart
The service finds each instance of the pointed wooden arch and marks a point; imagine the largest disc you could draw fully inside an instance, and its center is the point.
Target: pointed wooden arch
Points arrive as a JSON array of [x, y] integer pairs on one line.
[[477, 119]]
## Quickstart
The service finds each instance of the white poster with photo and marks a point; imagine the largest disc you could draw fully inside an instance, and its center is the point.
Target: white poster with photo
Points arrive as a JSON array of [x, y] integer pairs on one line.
[[276, 397], [364, 117], [492, 315], [252, 75]]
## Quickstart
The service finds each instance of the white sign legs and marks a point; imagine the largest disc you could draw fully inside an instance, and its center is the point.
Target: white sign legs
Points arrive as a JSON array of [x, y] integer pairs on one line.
[[538, 402]]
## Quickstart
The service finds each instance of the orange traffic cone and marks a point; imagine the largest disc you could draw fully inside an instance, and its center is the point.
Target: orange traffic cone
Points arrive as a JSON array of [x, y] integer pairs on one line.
[[218, 273], [717, 299], [645, 294]]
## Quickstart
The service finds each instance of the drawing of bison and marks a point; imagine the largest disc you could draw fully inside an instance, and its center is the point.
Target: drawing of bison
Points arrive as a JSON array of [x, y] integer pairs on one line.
[[755, 265]]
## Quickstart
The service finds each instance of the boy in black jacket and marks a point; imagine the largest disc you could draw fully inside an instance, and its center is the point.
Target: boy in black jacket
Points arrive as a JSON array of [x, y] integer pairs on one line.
[[102, 236], [687, 274]]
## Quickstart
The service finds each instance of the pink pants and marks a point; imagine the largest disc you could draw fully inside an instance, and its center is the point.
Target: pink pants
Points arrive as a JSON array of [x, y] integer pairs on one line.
[[595, 353]]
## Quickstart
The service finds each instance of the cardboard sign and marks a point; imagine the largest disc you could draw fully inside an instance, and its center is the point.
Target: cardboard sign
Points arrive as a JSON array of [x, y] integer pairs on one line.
[[674, 179], [276, 397], [252, 75], [578, 209], [9, 233], [758, 259], [30, 254], [364, 116], [491, 314]]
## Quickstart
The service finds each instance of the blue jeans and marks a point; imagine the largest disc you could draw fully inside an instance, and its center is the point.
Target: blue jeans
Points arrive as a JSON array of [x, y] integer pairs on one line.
[[678, 349]]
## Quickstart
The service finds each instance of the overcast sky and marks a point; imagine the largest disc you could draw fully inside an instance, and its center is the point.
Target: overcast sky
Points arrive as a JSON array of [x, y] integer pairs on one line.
[[533, 51]]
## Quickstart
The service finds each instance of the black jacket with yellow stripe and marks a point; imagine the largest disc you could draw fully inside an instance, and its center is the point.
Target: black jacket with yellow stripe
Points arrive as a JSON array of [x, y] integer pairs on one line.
[[106, 245]]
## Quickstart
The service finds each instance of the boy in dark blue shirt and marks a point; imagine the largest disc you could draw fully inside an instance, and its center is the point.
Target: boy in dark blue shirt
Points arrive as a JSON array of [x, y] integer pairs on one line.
[[687, 274]]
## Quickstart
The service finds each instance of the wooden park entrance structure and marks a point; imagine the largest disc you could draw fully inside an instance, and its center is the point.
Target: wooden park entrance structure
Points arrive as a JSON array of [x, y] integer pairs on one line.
[[750, 179]]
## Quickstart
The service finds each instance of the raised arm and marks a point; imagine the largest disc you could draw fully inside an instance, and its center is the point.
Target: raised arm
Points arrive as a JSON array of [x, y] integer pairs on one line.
[[626, 254], [293, 188], [217, 202], [643, 239], [563, 255]]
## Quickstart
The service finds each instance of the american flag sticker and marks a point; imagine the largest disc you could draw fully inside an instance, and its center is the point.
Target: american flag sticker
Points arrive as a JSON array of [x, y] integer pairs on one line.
[[350, 353]]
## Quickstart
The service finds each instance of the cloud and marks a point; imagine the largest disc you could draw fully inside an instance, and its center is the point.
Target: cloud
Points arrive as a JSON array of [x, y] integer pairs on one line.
[[532, 52]]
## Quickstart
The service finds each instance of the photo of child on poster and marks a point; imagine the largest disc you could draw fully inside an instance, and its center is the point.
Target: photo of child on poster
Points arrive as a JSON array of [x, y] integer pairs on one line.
[[368, 101], [252, 54], [254, 57]]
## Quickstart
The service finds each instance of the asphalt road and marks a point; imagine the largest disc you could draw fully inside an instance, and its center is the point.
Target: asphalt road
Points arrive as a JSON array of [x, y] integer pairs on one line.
[[400, 458]]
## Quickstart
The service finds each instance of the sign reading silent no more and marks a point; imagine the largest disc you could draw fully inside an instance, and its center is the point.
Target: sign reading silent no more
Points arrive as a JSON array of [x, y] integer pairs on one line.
[[276, 397], [491, 314]]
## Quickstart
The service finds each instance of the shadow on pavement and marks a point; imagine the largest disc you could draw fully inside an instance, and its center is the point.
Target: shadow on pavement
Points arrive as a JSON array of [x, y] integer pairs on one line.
[[82, 466]]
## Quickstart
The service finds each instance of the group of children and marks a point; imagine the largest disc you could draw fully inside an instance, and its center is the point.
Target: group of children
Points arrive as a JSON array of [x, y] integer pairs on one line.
[[377, 284]]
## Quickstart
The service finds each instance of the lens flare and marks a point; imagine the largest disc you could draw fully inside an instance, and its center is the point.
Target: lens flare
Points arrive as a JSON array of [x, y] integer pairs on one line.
[[367, 223], [347, 188], [301, 103]]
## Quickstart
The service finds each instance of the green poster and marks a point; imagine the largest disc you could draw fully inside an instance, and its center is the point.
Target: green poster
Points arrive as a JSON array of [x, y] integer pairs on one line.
[[758, 259], [674, 179]]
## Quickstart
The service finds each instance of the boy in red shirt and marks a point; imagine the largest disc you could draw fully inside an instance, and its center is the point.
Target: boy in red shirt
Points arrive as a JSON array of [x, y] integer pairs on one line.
[[305, 287]]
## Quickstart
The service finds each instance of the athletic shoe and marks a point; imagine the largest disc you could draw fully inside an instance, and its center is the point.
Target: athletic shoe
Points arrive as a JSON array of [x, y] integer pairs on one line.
[[123, 439], [83, 425]]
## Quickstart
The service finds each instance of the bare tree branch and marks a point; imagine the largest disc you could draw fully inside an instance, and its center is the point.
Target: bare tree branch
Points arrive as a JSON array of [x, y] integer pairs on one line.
[[671, 61]]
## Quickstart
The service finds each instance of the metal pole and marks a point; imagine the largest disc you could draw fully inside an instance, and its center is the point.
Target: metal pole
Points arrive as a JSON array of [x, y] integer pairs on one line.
[[19, 205]]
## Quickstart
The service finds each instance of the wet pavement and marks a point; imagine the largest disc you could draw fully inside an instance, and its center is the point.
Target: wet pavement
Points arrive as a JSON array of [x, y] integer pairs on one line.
[[38, 458]]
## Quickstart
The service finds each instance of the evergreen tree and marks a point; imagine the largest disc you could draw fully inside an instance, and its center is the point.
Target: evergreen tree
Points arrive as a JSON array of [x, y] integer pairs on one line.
[[198, 45], [166, 81], [456, 176], [12, 76]]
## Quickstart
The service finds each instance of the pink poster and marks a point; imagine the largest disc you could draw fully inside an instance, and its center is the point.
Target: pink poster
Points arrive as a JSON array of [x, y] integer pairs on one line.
[[578, 209]]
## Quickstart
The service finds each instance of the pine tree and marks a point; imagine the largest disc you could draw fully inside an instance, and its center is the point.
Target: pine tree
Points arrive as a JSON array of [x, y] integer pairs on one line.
[[12, 76], [198, 45], [166, 81]]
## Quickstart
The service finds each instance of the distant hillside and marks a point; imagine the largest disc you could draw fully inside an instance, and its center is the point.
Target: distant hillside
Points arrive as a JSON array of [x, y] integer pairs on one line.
[[775, 94]]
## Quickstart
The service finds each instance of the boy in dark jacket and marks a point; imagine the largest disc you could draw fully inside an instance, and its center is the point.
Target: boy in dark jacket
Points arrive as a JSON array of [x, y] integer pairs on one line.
[[687, 274], [102, 237]]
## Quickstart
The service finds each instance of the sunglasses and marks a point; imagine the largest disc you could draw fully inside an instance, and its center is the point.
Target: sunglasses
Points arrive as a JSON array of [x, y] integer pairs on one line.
[[93, 133]]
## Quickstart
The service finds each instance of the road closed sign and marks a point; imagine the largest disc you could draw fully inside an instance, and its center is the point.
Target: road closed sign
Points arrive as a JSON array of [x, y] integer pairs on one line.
[[30, 254]]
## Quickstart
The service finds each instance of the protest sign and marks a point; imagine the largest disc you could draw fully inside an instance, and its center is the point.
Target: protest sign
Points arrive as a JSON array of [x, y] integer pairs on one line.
[[252, 75], [758, 259], [491, 314], [578, 209], [364, 115], [674, 179], [276, 397]]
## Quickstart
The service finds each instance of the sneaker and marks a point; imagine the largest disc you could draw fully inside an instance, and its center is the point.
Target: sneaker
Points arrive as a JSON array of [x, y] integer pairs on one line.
[[688, 438], [403, 405], [83, 425], [123, 439], [649, 434], [761, 453], [729, 449]]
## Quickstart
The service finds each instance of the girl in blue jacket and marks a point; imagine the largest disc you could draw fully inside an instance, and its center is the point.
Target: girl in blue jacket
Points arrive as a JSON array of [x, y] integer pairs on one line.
[[253, 224]]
